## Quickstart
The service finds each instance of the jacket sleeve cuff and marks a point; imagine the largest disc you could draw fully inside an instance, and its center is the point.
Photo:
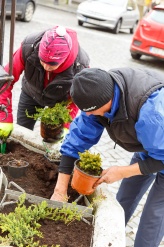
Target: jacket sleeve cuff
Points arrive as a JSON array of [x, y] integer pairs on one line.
[[150, 165], [66, 164]]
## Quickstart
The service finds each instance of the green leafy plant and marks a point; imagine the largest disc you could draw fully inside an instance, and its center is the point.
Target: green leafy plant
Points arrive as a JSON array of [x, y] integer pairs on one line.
[[90, 163], [22, 225], [56, 115]]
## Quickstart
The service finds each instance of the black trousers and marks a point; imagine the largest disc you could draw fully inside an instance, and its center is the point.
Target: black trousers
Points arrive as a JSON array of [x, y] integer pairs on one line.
[[26, 103], [151, 227]]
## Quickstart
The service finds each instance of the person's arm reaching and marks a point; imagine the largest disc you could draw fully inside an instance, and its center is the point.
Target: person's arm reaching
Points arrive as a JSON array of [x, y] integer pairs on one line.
[[6, 125], [149, 130], [84, 132], [143, 167], [18, 67], [73, 112], [60, 191], [18, 64], [116, 173]]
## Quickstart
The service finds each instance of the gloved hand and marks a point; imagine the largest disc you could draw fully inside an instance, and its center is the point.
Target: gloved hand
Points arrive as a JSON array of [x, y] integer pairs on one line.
[[5, 130], [64, 133]]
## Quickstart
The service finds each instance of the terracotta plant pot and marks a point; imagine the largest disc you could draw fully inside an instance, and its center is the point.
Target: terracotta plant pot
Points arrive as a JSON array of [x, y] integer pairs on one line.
[[83, 182], [17, 168], [51, 133]]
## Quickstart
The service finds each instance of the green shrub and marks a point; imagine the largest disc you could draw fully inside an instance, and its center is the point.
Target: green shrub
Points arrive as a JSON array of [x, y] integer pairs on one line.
[[90, 163], [56, 115]]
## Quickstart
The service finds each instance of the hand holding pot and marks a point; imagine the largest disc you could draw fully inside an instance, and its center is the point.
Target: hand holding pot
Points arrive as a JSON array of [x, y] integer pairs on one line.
[[65, 132], [111, 175]]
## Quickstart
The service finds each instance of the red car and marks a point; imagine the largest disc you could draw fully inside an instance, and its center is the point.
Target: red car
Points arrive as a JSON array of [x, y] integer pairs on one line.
[[148, 38]]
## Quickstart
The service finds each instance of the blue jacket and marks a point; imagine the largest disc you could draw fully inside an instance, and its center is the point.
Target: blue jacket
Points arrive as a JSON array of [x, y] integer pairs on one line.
[[150, 126], [85, 131]]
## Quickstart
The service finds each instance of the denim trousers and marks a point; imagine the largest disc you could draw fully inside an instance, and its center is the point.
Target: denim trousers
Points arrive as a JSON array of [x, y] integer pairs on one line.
[[151, 226], [26, 103]]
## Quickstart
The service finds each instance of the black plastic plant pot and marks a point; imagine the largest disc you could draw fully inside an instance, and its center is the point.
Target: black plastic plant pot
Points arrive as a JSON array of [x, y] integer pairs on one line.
[[17, 168], [3, 148]]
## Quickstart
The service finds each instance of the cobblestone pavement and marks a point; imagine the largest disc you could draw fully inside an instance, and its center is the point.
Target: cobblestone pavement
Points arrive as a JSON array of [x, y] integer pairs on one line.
[[110, 156]]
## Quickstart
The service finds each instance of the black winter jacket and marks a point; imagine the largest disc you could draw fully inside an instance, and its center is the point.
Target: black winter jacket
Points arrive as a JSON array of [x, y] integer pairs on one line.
[[33, 79]]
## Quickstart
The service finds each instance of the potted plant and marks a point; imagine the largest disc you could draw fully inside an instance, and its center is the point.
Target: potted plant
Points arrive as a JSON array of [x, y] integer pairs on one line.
[[17, 168], [52, 120], [87, 171]]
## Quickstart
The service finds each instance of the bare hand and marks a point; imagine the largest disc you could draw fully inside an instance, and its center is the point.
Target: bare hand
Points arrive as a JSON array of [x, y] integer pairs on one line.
[[60, 191], [110, 175], [59, 197]]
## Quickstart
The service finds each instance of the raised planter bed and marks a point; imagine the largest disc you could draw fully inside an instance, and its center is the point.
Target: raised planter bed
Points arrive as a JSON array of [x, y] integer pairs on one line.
[[38, 182], [109, 229]]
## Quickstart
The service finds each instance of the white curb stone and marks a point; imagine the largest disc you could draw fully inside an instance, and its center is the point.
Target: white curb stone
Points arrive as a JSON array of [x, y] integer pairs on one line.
[[109, 221]]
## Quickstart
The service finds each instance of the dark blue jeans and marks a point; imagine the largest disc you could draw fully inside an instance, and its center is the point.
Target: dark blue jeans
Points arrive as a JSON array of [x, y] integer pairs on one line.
[[151, 227], [26, 102]]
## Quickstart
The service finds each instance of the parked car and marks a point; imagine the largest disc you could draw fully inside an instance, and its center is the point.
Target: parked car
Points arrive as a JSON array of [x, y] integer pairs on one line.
[[148, 38], [24, 9], [112, 14]]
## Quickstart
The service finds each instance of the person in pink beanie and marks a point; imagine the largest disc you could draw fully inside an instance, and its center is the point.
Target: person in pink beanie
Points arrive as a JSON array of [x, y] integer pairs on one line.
[[49, 59]]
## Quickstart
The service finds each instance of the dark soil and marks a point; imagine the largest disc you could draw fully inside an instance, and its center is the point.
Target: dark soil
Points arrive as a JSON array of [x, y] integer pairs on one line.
[[40, 180]]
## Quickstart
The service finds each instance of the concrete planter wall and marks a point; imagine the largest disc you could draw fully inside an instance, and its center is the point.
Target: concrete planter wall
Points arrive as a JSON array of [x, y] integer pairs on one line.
[[109, 226]]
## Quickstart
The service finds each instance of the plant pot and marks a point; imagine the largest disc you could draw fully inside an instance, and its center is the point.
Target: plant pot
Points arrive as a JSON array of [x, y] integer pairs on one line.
[[3, 148], [51, 133], [17, 168], [83, 182]]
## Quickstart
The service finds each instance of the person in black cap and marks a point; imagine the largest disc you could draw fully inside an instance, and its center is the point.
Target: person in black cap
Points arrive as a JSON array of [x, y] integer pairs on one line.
[[129, 103]]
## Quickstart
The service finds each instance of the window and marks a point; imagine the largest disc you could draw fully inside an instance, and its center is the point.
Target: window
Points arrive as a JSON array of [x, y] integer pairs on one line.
[[157, 16]]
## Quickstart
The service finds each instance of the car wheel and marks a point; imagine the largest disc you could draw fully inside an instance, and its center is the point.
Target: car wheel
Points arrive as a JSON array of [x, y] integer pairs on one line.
[[133, 29], [80, 23], [29, 11], [136, 56], [117, 27]]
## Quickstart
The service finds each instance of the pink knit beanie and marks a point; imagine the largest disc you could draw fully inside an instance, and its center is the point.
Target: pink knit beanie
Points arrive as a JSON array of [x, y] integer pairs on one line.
[[55, 46]]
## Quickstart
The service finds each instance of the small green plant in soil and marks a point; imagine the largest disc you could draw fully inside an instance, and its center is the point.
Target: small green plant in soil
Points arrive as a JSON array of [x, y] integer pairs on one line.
[[56, 115], [90, 163], [21, 226]]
